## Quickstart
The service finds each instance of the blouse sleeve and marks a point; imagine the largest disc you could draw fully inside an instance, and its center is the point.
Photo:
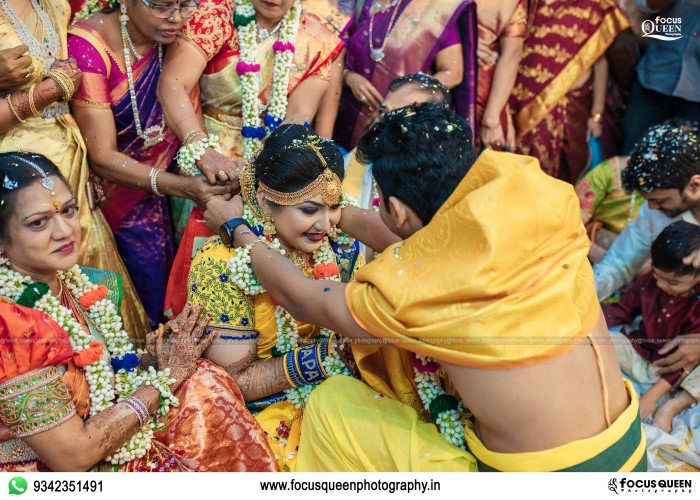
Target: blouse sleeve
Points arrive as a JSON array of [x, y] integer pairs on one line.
[[33, 397], [593, 189], [316, 49], [210, 283], [210, 28], [93, 90], [517, 24], [452, 37]]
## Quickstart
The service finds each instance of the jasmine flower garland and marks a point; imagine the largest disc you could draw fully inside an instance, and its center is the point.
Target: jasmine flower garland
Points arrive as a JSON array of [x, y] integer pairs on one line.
[[188, 156], [444, 409], [248, 68], [105, 386]]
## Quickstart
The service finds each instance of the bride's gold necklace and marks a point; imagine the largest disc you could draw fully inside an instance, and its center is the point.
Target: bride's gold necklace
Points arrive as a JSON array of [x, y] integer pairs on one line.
[[302, 260]]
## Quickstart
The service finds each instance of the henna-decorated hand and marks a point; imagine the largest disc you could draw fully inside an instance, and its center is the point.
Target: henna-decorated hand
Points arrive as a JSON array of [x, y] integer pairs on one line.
[[344, 348], [183, 346], [218, 168], [69, 68]]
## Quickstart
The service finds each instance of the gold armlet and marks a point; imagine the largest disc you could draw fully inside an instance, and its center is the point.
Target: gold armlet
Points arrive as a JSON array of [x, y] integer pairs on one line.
[[35, 402]]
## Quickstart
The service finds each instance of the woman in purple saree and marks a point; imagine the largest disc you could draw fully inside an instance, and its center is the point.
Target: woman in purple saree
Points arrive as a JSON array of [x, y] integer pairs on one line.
[[128, 144], [395, 38]]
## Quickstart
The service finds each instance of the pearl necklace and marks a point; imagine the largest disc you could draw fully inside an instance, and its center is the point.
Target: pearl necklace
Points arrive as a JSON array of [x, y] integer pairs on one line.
[[154, 134], [47, 52]]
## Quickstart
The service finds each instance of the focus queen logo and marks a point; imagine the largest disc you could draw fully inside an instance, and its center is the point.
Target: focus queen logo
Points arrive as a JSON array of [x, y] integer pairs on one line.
[[662, 28]]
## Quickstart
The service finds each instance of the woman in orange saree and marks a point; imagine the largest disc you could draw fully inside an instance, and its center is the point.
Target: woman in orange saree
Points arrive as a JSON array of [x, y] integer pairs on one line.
[[55, 133], [72, 393], [204, 90], [558, 98]]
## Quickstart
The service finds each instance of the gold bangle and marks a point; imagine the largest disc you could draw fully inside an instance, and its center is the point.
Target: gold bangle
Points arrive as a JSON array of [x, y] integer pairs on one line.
[[189, 138], [63, 81], [32, 104], [12, 108], [491, 127], [597, 117], [69, 85]]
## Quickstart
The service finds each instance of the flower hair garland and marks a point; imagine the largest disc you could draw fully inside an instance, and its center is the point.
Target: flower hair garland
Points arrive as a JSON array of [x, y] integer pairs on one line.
[[105, 385], [248, 68], [92, 6]]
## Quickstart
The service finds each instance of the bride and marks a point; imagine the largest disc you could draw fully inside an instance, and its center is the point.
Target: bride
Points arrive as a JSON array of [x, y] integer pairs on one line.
[[293, 197]]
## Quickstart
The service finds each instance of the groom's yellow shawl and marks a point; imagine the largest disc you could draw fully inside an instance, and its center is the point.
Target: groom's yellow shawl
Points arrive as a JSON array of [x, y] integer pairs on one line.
[[499, 277]]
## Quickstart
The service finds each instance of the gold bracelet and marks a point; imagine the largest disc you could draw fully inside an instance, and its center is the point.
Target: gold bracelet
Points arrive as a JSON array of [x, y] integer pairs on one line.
[[69, 85], [189, 138], [12, 108], [32, 104], [64, 82], [597, 117]]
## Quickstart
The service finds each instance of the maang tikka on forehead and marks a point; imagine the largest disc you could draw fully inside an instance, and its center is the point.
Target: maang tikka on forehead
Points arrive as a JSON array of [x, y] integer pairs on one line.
[[46, 182]]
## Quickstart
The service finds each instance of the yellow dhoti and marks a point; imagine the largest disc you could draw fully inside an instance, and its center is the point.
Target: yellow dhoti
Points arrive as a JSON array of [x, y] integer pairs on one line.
[[349, 427]]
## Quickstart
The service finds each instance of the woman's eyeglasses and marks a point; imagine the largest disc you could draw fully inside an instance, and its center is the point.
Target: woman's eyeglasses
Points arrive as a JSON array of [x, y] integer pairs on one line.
[[166, 11]]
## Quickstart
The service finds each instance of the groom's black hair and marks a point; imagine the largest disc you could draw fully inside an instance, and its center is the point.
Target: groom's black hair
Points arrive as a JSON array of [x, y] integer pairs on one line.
[[419, 154]]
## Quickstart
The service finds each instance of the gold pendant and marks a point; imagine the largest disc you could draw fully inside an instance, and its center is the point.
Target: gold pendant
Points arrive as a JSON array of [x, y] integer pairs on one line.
[[152, 136]]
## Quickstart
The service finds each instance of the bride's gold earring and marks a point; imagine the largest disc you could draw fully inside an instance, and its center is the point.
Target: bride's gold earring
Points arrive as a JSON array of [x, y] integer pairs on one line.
[[268, 223]]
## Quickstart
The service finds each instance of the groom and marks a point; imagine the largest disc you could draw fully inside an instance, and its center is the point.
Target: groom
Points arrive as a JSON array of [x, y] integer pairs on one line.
[[486, 273]]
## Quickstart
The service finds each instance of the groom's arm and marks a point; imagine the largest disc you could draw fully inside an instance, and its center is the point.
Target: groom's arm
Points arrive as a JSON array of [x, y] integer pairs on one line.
[[367, 227], [319, 302]]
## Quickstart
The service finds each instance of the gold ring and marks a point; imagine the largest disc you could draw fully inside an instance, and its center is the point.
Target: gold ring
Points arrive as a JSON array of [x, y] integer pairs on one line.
[[221, 173], [29, 72], [685, 370]]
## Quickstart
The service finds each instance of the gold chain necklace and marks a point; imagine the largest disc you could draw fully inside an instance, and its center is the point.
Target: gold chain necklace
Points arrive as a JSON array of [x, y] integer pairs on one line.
[[302, 261]]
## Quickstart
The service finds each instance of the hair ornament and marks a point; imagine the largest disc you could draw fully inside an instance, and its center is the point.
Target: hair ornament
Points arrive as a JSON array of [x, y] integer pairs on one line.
[[10, 184], [47, 182]]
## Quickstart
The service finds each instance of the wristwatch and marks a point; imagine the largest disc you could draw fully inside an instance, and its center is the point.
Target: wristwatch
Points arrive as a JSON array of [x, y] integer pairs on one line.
[[226, 230]]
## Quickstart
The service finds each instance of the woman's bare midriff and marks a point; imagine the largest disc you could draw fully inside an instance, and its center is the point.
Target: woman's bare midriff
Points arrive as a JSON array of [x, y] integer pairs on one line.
[[545, 405]]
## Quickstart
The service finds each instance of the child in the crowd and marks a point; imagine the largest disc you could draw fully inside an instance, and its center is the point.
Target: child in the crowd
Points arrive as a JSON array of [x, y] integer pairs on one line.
[[667, 300]]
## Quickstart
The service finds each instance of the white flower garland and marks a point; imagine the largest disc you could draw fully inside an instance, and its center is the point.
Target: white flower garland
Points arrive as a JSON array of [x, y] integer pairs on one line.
[[429, 388], [104, 384], [188, 156], [248, 68], [287, 327]]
